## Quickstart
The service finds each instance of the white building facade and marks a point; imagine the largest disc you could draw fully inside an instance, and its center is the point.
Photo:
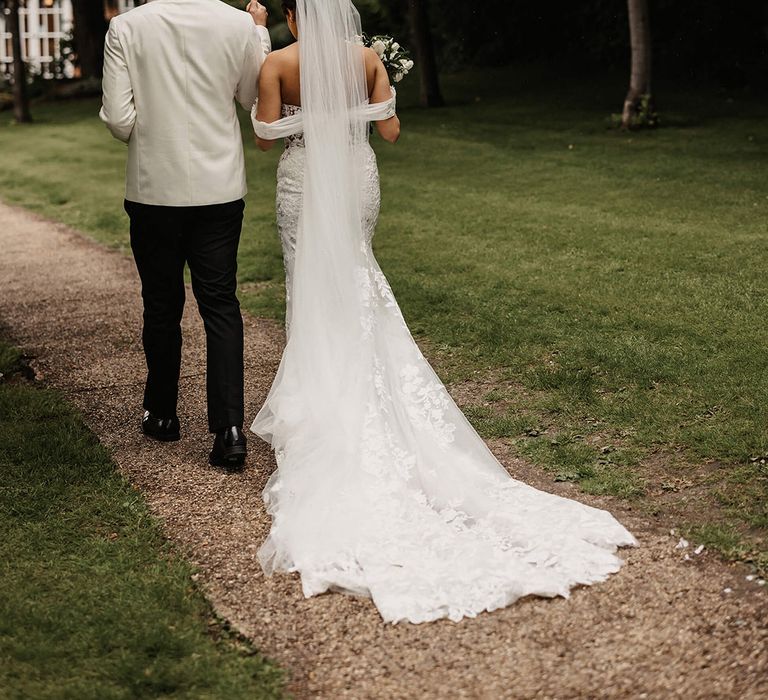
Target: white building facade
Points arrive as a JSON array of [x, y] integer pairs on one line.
[[46, 29]]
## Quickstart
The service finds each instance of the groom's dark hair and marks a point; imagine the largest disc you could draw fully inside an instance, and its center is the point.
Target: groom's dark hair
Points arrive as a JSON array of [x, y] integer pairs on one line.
[[288, 5]]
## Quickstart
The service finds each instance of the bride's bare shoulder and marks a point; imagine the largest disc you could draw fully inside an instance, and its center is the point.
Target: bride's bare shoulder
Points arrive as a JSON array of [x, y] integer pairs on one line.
[[374, 68], [373, 63], [288, 56], [370, 56]]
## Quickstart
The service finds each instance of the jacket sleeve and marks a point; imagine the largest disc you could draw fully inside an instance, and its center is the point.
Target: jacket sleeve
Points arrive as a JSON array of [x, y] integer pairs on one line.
[[257, 48], [118, 111]]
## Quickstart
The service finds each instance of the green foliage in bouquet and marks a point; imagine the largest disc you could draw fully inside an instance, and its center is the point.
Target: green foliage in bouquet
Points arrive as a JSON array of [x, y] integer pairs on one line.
[[395, 58]]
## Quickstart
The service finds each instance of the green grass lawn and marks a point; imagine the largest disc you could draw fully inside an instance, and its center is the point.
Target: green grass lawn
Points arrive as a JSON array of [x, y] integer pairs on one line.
[[94, 602], [610, 286]]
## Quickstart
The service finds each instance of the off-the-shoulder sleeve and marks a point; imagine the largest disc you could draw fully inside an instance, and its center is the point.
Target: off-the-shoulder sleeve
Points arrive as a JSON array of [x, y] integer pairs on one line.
[[293, 124]]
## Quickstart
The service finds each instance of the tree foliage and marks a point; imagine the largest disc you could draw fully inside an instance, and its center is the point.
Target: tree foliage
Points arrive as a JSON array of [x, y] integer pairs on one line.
[[709, 40]]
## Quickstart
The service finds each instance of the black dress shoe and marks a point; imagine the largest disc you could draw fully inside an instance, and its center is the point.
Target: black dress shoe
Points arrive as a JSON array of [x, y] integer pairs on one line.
[[163, 429], [229, 449]]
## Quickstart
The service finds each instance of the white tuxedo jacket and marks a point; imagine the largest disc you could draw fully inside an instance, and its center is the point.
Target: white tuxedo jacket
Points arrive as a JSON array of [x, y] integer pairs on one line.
[[172, 72]]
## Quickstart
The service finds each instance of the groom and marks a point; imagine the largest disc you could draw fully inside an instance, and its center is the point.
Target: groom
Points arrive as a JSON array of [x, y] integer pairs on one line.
[[172, 72]]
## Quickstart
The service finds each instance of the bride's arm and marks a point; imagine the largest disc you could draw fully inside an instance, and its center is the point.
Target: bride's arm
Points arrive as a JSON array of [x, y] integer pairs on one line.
[[270, 99], [380, 91]]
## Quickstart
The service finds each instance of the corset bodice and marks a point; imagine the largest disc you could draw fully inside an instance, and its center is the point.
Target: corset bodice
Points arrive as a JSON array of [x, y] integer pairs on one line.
[[294, 139]]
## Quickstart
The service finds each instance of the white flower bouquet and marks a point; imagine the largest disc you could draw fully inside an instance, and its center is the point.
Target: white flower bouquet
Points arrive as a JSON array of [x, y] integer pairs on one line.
[[395, 58]]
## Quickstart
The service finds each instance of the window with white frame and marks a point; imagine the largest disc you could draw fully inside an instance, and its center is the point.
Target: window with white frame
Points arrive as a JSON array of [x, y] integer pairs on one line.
[[44, 25]]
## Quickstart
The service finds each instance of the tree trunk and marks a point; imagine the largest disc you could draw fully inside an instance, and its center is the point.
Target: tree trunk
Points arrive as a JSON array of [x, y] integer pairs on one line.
[[20, 98], [640, 79], [425, 53], [89, 31]]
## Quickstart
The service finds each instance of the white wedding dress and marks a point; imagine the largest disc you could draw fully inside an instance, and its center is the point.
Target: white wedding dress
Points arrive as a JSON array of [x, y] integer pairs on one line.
[[383, 488], [290, 185]]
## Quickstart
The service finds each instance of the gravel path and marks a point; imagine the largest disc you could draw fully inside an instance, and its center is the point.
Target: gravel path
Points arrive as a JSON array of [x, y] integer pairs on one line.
[[662, 628]]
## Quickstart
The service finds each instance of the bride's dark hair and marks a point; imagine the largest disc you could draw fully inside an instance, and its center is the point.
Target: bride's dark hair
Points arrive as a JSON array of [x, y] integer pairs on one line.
[[288, 5]]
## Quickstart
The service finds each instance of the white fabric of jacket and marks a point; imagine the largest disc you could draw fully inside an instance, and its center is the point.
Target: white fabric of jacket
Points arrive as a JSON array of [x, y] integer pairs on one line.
[[173, 70]]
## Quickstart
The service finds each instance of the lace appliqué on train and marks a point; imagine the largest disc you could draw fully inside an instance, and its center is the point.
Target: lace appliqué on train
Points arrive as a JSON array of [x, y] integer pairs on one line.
[[405, 503]]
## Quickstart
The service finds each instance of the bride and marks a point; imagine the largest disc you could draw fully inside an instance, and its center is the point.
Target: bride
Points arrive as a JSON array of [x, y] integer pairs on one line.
[[383, 488]]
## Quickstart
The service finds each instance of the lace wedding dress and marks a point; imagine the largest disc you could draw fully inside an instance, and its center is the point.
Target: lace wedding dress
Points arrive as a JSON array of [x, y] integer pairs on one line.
[[383, 488], [290, 184]]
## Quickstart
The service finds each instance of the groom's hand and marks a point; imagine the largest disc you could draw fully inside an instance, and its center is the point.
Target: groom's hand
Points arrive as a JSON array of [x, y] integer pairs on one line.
[[258, 12]]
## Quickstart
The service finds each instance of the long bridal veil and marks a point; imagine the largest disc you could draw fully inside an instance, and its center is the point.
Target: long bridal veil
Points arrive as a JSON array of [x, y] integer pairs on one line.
[[383, 488]]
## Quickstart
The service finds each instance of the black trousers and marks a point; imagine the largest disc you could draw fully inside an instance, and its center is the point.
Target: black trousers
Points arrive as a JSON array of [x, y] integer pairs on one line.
[[163, 239]]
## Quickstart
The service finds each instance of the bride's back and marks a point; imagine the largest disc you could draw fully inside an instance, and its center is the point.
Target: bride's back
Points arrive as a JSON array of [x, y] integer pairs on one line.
[[280, 84], [286, 62]]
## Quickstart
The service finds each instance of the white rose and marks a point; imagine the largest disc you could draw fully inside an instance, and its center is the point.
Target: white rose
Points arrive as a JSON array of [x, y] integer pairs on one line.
[[409, 64], [378, 47], [395, 46], [398, 77]]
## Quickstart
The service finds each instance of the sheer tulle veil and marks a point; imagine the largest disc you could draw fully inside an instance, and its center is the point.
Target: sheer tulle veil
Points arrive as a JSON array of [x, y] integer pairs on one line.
[[383, 488], [326, 302], [312, 415]]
